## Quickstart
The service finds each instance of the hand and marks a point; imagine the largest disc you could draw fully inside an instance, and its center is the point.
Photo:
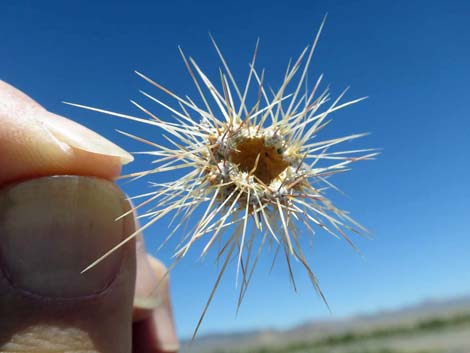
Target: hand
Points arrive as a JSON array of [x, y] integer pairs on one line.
[[58, 207]]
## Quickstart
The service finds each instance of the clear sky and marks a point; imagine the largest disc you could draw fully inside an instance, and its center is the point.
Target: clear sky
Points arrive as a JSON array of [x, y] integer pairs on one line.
[[410, 57]]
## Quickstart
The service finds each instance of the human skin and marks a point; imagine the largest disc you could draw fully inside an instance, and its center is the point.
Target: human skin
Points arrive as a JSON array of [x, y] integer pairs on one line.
[[58, 206]]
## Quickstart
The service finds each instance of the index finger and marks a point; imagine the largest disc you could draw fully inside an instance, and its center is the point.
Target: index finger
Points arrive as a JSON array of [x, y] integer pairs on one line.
[[35, 142]]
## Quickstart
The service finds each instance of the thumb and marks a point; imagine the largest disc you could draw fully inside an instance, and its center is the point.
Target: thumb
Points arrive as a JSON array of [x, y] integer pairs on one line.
[[51, 228]]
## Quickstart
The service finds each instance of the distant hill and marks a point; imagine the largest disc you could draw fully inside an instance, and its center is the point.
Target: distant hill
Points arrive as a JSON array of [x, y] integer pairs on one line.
[[314, 330]]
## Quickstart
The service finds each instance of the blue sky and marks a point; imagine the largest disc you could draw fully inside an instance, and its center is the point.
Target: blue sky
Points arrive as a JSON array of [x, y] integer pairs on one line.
[[410, 57]]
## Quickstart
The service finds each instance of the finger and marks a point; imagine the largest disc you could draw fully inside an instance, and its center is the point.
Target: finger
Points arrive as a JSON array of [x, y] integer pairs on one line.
[[37, 310], [50, 229], [154, 327], [147, 291], [35, 142]]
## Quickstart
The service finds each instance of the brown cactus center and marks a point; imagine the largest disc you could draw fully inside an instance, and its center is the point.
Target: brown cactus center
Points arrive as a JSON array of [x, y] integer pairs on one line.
[[270, 163]]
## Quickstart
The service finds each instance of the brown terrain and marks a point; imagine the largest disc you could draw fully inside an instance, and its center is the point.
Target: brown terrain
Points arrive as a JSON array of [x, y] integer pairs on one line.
[[429, 327]]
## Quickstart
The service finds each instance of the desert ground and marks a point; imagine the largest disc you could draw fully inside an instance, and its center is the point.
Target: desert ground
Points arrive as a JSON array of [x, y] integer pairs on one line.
[[429, 327]]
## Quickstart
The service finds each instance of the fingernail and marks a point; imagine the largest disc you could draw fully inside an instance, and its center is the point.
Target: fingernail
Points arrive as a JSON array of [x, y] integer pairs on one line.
[[52, 228], [163, 314], [147, 295], [165, 329], [152, 306], [146, 303], [80, 137]]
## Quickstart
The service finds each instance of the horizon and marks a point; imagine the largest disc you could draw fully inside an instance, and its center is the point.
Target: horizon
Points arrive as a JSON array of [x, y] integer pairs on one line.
[[332, 319]]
